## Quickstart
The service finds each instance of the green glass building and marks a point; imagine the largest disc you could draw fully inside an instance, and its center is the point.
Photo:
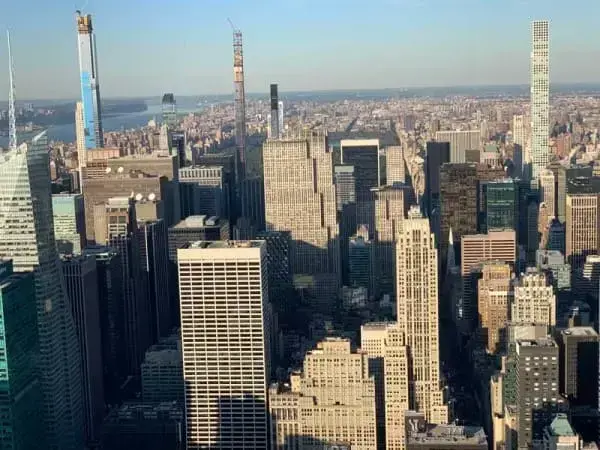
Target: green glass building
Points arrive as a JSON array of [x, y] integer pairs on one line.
[[21, 402], [501, 206]]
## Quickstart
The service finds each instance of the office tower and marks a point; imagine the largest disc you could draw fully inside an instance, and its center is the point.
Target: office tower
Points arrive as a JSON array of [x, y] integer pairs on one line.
[[418, 318], [560, 435], [90, 85], [80, 135], [436, 155], [274, 123], [548, 191], [240, 106], [582, 228], [495, 297], [363, 154], [460, 141], [154, 253], [537, 372], [203, 191], [278, 259], [21, 390], [552, 263], [280, 117], [141, 425], [149, 210], [27, 236], [253, 200], [112, 323], [162, 372], [565, 175], [300, 198], [69, 223], [501, 205], [394, 165], [223, 295], [116, 226], [588, 281], [540, 97], [331, 402], [520, 141], [578, 349], [81, 282], [108, 174], [391, 206], [345, 194], [477, 249], [534, 301], [178, 147], [458, 202], [360, 260], [169, 110]]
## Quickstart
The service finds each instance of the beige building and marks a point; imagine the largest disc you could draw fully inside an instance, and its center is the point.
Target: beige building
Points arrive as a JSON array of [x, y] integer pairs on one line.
[[418, 315], [534, 301], [494, 300], [331, 402], [80, 135], [479, 248], [224, 331], [582, 225], [548, 192], [300, 199], [394, 165]]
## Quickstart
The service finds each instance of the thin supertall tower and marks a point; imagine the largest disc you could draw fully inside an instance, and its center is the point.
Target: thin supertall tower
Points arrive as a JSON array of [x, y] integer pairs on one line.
[[90, 85], [12, 118], [540, 96], [240, 104]]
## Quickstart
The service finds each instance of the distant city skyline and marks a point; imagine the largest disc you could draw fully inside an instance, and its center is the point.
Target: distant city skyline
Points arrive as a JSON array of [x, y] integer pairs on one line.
[[183, 47]]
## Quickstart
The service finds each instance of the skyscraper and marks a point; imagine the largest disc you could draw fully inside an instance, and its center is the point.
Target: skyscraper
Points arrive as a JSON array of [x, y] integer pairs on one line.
[[394, 165], [169, 110], [280, 119], [69, 223], [27, 236], [90, 86], [460, 142], [501, 205], [582, 228], [494, 300], [224, 328], [534, 302], [520, 141], [418, 317], [240, 106], [540, 95], [548, 192], [363, 154], [80, 136], [274, 125], [20, 395], [300, 198], [437, 154]]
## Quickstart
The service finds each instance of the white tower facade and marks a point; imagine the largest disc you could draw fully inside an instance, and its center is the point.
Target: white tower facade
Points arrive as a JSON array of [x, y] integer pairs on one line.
[[540, 96], [223, 297]]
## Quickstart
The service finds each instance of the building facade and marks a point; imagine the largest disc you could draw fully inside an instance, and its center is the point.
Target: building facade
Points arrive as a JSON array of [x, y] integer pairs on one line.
[[69, 223], [540, 97]]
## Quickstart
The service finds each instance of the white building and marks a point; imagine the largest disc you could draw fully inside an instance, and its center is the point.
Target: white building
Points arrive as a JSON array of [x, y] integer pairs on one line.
[[540, 94]]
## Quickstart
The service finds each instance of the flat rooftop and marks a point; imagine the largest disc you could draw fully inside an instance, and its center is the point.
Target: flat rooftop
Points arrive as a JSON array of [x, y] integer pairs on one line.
[[580, 331], [225, 244], [199, 222], [449, 434]]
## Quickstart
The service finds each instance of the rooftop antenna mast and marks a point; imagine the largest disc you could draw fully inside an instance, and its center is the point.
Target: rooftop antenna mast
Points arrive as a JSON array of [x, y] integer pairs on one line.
[[12, 118]]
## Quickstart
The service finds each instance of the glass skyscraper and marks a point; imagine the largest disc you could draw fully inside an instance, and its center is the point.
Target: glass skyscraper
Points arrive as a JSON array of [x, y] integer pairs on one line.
[[27, 237], [90, 87], [20, 393], [501, 206]]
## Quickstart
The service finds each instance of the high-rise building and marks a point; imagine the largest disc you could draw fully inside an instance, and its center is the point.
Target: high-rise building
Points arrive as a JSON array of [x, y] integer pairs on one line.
[[203, 191], [578, 349], [274, 132], [278, 258], [582, 227], [501, 206], [495, 297], [81, 281], [280, 117], [548, 192], [331, 402], [80, 135], [460, 142], [565, 176], [560, 435], [418, 317], [21, 394], [169, 110], [395, 171], [90, 85], [154, 253], [520, 141], [300, 198], [477, 249], [27, 236], [537, 395], [69, 223], [239, 106], [436, 155], [162, 371], [112, 319], [360, 260], [225, 335], [363, 154], [534, 301], [540, 97]]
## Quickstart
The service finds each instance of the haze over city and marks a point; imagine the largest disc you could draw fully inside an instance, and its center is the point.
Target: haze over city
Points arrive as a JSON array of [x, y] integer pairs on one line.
[[149, 47]]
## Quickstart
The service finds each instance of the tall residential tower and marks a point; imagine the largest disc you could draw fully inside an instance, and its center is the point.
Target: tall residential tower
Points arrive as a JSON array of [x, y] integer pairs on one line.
[[90, 87], [540, 93]]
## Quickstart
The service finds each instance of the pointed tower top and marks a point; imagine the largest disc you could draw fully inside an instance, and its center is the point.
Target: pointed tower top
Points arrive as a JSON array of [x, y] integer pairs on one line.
[[12, 118]]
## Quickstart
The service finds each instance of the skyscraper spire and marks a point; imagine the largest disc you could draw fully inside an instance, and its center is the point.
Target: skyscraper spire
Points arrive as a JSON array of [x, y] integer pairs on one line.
[[12, 118]]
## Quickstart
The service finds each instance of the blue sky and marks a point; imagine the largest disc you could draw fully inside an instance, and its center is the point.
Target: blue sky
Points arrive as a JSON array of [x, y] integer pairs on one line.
[[184, 46]]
